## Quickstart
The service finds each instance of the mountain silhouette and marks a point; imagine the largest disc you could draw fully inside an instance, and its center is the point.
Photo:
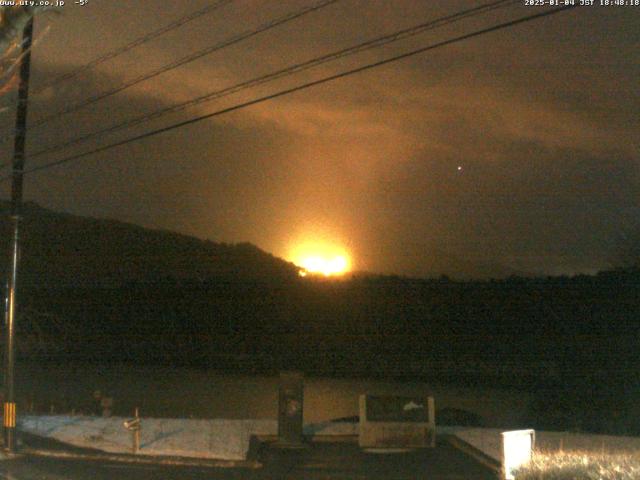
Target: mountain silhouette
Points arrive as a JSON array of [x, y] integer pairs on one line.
[[62, 249]]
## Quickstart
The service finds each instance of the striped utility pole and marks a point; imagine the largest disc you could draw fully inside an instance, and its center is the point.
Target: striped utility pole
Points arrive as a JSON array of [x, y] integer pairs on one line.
[[9, 422]]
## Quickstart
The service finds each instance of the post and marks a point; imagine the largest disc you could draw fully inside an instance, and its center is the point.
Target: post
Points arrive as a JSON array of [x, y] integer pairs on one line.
[[431, 419], [136, 434], [134, 426], [16, 212], [290, 410]]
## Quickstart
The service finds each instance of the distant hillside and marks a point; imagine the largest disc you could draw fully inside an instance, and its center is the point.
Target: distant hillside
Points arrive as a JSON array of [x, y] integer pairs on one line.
[[174, 300], [59, 249]]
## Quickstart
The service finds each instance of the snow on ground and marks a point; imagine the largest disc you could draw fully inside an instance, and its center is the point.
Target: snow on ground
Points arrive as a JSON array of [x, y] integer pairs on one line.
[[489, 441], [331, 428], [212, 439], [230, 439]]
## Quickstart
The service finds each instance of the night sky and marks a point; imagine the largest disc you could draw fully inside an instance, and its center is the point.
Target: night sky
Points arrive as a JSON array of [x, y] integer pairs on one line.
[[514, 152]]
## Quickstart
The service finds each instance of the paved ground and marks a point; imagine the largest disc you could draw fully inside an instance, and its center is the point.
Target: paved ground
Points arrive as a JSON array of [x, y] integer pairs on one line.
[[321, 461], [347, 461]]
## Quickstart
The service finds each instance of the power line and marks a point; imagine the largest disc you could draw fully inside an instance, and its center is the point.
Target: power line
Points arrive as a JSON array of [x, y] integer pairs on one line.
[[296, 68], [298, 88], [135, 43], [185, 60]]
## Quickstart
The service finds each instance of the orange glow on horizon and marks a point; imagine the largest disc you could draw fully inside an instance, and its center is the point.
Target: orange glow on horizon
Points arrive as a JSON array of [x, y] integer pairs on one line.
[[321, 259]]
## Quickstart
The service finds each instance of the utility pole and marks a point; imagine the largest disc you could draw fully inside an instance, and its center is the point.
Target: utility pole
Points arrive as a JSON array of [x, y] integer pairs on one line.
[[16, 213]]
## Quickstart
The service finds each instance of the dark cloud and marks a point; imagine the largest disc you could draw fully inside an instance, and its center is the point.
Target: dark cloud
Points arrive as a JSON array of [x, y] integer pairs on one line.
[[542, 119]]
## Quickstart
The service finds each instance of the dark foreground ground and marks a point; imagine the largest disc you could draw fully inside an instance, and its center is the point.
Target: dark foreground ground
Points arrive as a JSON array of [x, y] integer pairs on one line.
[[320, 461]]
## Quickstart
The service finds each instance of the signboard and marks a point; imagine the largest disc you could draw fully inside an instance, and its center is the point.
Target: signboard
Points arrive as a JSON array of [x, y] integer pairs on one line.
[[396, 422], [290, 403], [517, 447]]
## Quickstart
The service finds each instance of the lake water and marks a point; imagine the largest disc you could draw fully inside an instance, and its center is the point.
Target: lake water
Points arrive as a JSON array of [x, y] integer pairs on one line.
[[181, 392]]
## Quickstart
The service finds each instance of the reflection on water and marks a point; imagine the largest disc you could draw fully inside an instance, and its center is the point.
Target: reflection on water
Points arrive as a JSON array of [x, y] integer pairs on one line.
[[179, 392]]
